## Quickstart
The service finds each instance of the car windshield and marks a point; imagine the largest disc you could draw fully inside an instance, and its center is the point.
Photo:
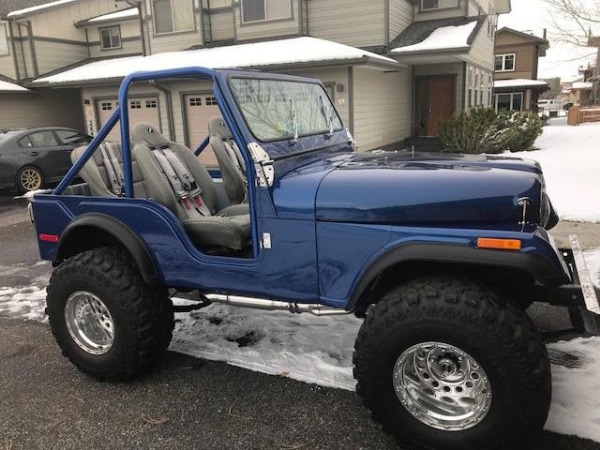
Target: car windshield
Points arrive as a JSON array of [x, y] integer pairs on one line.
[[283, 109]]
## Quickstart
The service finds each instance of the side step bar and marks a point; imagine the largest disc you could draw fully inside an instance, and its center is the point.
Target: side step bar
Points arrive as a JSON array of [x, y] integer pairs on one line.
[[583, 275], [275, 305]]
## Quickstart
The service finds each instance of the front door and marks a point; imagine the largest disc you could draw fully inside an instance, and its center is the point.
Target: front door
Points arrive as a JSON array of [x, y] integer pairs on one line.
[[435, 103]]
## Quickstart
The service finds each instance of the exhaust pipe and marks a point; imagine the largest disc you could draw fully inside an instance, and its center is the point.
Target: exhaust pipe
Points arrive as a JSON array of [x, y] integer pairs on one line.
[[275, 305]]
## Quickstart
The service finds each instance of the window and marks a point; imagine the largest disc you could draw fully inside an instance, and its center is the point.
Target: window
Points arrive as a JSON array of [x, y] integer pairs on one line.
[[509, 102], [211, 101], [110, 38], [430, 5], [276, 110], [173, 15], [195, 101], [72, 137], [135, 104], [3, 39], [150, 103], [505, 63], [263, 10], [106, 106], [39, 139]]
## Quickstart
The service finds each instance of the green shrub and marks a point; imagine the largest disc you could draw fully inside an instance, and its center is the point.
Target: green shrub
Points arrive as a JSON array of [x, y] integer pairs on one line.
[[483, 130]]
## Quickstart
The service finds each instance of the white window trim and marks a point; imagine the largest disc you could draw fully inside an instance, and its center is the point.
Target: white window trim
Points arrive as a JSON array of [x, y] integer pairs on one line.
[[249, 22], [423, 9], [4, 26], [165, 33], [512, 100], [503, 56], [118, 28]]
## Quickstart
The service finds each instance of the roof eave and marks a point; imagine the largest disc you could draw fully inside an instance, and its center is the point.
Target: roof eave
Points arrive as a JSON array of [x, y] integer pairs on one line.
[[87, 24], [454, 51]]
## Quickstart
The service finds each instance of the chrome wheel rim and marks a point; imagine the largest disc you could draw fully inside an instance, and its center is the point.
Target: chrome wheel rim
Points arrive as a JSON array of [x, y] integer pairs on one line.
[[442, 386], [89, 322], [31, 179]]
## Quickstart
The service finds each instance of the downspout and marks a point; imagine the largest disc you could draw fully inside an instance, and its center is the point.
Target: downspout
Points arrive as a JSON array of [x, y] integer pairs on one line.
[[168, 101], [137, 4], [22, 50], [14, 49]]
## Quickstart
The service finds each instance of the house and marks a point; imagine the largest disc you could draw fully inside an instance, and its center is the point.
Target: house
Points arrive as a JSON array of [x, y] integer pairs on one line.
[[394, 68], [516, 86]]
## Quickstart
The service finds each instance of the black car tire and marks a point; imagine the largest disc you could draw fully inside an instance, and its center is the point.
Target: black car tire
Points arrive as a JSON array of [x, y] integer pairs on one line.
[[474, 318], [142, 315], [29, 178]]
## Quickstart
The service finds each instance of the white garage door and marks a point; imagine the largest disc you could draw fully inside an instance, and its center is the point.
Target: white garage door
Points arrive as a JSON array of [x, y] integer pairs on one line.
[[198, 110], [140, 110]]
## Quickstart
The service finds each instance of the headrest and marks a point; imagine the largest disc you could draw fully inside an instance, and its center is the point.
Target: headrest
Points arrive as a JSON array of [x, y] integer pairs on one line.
[[147, 134], [216, 125]]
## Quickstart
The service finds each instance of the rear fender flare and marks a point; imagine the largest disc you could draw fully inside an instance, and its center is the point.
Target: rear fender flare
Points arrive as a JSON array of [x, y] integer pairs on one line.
[[78, 236]]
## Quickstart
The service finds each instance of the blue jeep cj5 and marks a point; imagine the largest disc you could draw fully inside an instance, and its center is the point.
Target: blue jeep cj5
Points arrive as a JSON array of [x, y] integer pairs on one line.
[[440, 254]]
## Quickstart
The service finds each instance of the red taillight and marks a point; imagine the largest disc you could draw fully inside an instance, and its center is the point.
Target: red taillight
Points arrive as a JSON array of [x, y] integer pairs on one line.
[[48, 237]]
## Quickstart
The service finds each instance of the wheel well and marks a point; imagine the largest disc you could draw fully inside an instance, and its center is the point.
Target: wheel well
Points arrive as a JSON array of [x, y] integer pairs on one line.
[[98, 230], [508, 280]]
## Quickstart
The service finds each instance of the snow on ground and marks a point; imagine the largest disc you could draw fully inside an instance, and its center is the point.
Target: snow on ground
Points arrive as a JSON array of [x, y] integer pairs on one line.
[[570, 159], [319, 349]]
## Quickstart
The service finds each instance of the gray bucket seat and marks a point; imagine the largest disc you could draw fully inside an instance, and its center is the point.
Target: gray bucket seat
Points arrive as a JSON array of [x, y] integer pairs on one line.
[[211, 227], [231, 162]]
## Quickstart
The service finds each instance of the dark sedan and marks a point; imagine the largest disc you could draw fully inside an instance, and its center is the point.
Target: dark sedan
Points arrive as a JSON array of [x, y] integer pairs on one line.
[[31, 159]]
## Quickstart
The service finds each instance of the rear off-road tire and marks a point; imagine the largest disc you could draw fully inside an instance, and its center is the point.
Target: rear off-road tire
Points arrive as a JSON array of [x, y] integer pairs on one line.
[[462, 339], [105, 318]]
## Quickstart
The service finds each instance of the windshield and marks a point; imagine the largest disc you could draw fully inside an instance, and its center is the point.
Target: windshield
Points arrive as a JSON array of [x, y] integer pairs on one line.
[[276, 109]]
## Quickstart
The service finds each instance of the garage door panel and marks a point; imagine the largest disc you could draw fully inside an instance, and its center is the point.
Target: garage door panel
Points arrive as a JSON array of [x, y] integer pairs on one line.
[[140, 110], [198, 110]]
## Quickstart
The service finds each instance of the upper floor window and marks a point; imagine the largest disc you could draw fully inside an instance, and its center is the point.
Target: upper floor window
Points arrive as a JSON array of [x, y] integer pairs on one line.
[[110, 38], [3, 39], [173, 15], [432, 5], [263, 10], [505, 63]]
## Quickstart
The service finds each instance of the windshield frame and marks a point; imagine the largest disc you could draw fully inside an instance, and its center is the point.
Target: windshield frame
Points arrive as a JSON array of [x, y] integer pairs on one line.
[[285, 79]]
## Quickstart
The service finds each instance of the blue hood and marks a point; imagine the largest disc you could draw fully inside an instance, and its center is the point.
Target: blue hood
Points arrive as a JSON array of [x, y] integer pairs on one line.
[[401, 188]]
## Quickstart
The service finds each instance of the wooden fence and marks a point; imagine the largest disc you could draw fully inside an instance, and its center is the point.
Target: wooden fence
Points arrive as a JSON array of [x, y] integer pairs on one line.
[[583, 114]]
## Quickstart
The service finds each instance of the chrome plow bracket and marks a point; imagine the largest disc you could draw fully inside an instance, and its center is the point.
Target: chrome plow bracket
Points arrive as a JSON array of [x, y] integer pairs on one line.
[[585, 280]]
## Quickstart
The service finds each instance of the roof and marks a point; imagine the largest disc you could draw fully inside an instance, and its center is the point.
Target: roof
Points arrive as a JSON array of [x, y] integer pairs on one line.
[[7, 86], [520, 82], [36, 7], [7, 6], [437, 35], [117, 16], [284, 52], [542, 43], [583, 85]]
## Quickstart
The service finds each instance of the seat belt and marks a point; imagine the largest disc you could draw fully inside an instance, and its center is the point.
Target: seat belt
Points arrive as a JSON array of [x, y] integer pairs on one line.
[[116, 164], [188, 182], [110, 171]]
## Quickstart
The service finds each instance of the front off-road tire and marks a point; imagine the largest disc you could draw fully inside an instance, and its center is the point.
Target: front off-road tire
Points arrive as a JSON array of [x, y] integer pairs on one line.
[[106, 320], [462, 339]]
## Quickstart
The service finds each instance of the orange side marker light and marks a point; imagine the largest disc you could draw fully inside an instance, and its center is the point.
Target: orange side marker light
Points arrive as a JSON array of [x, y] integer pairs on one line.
[[499, 244]]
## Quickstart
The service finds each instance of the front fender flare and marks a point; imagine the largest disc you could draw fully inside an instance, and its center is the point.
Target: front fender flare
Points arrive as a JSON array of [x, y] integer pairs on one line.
[[448, 253], [78, 236]]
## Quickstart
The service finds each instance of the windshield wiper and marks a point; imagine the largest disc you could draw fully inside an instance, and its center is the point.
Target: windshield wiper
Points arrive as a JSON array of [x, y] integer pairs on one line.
[[328, 117], [294, 121]]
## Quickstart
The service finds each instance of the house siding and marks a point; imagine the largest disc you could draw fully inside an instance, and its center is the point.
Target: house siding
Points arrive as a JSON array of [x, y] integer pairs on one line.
[[267, 29], [45, 108], [383, 105], [54, 55], [401, 16], [482, 49], [221, 25], [359, 24], [442, 14]]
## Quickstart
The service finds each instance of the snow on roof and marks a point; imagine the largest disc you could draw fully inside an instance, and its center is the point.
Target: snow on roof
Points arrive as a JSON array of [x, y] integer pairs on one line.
[[280, 52], [518, 83], [443, 38], [123, 14], [583, 85], [5, 86], [25, 11]]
